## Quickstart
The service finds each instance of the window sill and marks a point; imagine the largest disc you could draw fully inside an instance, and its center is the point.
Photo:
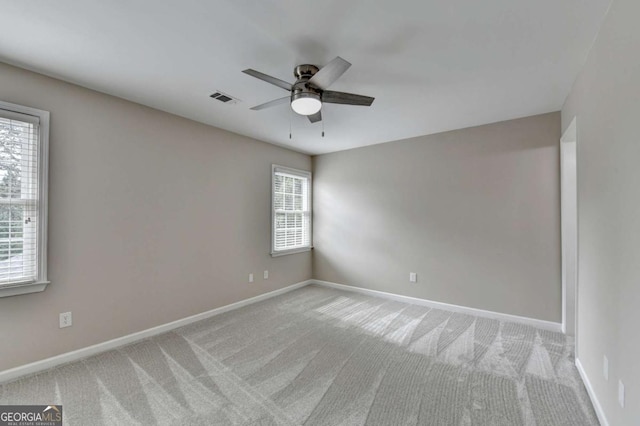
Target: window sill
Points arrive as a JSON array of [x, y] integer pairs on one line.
[[25, 288], [293, 251]]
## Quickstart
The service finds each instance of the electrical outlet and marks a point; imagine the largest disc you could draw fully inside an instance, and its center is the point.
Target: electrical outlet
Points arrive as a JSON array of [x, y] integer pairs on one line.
[[250, 278], [65, 319], [605, 368], [265, 275], [621, 393], [413, 277]]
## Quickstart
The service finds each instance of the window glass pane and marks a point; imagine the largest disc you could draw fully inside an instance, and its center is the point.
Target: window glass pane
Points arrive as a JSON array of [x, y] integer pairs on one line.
[[278, 183], [13, 136], [280, 234], [11, 228], [288, 202], [297, 202], [291, 220], [278, 201]]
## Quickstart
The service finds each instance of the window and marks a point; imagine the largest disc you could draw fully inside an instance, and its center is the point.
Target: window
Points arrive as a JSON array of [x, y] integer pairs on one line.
[[291, 215], [23, 199]]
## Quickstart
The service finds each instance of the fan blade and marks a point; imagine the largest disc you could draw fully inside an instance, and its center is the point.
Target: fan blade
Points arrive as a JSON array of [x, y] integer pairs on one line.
[[314, 118], [268, 79], [329, 73], [269, 104], [346, 98]]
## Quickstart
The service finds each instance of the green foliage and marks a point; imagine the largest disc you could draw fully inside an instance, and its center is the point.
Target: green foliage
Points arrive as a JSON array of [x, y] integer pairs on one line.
[[12, 139]]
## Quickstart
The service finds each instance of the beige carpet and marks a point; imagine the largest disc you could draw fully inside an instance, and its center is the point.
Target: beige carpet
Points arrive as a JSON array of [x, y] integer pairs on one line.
[[320, 356]]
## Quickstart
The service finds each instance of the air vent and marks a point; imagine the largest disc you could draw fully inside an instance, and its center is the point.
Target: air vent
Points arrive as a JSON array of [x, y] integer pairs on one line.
[[223, 97]]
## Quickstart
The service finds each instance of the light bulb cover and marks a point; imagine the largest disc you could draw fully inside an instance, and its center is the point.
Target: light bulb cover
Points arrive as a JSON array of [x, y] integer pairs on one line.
[[306, 103]]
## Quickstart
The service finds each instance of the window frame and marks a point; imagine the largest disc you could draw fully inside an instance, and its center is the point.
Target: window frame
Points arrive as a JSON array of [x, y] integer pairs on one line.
[[296, 172], [41, 281]]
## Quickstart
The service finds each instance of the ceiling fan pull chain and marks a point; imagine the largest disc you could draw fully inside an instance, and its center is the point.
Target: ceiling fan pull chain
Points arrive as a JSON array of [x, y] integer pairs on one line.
[[323, 128], [290, 113]]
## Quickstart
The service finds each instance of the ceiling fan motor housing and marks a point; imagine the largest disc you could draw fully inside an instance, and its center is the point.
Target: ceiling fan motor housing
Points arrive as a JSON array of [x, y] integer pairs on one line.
[[305, 70], [301, 89]]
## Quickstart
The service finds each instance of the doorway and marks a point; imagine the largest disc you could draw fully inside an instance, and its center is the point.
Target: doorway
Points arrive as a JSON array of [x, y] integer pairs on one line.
[[569, 228]]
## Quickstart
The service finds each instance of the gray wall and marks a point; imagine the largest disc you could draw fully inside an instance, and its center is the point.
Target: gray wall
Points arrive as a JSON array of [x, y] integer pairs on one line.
[[152, 218], [606, 100], [475, 212]]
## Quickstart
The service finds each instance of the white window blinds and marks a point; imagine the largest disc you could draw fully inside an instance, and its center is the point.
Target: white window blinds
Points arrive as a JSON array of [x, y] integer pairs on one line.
[[291, 198], [19, 199]]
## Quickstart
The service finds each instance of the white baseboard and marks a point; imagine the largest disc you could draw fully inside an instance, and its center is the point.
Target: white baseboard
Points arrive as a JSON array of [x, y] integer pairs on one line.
[[546, 325], [592, 395], [45, 364]]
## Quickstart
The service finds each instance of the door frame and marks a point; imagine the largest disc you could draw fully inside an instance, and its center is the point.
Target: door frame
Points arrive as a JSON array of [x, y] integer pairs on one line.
[[568, 152]]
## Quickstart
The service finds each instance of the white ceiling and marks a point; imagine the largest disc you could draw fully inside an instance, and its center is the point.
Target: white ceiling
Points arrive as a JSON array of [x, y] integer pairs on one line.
[[432, 65]]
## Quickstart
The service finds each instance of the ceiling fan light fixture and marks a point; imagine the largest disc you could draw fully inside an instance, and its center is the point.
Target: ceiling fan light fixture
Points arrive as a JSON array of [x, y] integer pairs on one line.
[[306, 103]]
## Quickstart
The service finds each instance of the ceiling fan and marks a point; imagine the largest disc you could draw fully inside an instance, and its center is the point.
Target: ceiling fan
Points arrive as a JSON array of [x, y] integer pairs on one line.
[[309, 91]]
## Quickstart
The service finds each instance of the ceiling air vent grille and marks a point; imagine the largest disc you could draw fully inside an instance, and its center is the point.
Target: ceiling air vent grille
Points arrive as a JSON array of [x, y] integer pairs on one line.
[[223, 97]]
